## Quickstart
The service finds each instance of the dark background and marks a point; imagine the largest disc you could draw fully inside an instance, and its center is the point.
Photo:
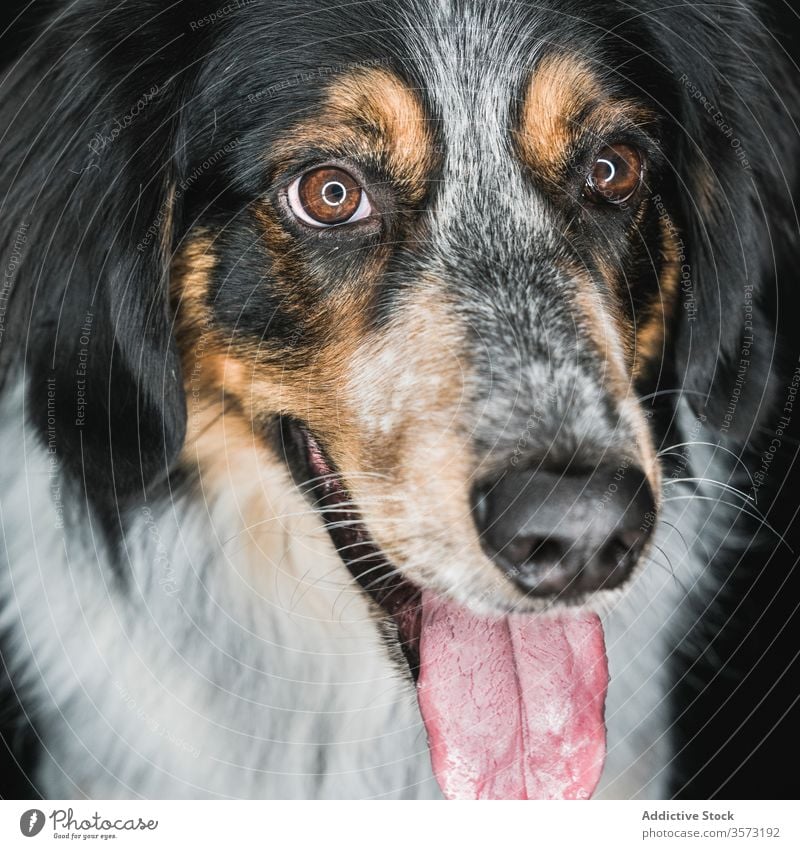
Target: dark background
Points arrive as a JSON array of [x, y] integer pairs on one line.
[[739, 702]]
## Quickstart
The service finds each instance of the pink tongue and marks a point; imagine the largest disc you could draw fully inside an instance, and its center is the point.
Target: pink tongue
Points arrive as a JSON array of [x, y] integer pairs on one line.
[[513, 707]]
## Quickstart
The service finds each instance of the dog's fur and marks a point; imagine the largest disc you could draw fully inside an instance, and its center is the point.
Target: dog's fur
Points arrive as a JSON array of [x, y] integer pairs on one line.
[[175, 619]]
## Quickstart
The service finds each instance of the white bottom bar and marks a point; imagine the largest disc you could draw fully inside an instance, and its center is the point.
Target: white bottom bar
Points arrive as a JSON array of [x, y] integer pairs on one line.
[[385, 825]]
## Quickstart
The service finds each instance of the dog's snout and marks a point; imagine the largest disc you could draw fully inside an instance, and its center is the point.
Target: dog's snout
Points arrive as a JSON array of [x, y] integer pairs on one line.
[[565, 533]]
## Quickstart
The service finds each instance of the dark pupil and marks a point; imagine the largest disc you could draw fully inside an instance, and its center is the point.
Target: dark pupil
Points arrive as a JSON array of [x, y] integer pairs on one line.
[[334, 193]]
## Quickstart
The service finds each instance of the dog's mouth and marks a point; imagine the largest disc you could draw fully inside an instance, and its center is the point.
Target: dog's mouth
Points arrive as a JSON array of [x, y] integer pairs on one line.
[[319, 481], [513, 706]]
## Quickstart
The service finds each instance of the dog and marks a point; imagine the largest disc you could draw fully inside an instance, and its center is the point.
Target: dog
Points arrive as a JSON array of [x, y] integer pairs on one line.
[[377, 387]]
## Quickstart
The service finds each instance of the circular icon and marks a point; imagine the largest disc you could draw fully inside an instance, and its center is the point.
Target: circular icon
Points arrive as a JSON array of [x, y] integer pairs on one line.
[[31, 822]]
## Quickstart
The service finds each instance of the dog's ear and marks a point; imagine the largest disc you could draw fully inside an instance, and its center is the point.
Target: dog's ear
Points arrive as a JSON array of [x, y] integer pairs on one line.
[[145, 420], [116, 370], [734, 173], [92, 191]]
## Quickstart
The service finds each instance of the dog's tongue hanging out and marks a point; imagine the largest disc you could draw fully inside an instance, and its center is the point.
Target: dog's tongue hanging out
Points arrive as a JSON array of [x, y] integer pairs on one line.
[[513, 707]]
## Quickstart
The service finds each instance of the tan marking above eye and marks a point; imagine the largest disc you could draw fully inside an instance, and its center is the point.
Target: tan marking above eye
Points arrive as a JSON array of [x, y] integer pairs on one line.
[[366, 115], [559, 90], [616, 174], [567, 101]]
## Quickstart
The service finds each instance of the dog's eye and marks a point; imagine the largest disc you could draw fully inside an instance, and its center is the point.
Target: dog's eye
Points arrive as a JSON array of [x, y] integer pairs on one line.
[[616, 174], [327, 196]]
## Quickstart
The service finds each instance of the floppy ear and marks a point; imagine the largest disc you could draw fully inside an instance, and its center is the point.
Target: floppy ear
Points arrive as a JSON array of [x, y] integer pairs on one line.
[[115, 370], [142, 428], [735, 173], [92, 186]]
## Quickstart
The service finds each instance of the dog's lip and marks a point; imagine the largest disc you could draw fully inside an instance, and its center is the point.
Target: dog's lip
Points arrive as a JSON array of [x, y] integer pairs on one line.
[[471, 670], [317, 477]]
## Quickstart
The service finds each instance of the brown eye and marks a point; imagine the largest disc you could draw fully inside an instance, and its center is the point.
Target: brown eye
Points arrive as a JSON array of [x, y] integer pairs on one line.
[[325, 197], [616, 174]]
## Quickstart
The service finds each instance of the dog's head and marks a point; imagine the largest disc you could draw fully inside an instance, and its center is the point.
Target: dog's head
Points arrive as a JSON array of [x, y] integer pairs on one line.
[[454, 262], [446, 318]]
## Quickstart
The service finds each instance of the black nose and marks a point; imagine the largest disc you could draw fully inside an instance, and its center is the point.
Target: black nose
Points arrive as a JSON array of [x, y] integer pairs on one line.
[[565, 533]]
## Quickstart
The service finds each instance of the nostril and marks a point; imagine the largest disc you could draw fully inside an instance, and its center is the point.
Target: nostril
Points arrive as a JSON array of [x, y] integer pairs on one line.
[[614, 562], [611, 566], [519, 553], [548, 551], [538, 565], [620, 550], [526, 552]]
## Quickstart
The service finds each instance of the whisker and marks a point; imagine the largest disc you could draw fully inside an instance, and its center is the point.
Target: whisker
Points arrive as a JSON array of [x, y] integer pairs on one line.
[[677, 530], [343, 507], [714, 445], [669, 568], [316, 482], [739, 507], [671, 392], [732, 489], [369, 588]]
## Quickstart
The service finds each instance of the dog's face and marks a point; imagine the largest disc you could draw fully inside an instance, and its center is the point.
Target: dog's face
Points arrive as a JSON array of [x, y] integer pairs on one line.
[[441, 301], [451, 290]]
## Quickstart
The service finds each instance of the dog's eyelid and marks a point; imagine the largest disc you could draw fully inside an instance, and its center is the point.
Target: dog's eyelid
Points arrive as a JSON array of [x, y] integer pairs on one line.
[[284, 174], [328, 196], [634, 135]]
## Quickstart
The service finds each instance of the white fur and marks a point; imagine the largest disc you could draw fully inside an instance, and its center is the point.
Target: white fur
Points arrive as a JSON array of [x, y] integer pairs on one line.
[[233, 657], [236, 662]]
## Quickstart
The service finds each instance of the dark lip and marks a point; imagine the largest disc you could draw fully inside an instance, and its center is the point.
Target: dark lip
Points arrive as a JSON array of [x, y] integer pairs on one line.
[[318, 479]]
